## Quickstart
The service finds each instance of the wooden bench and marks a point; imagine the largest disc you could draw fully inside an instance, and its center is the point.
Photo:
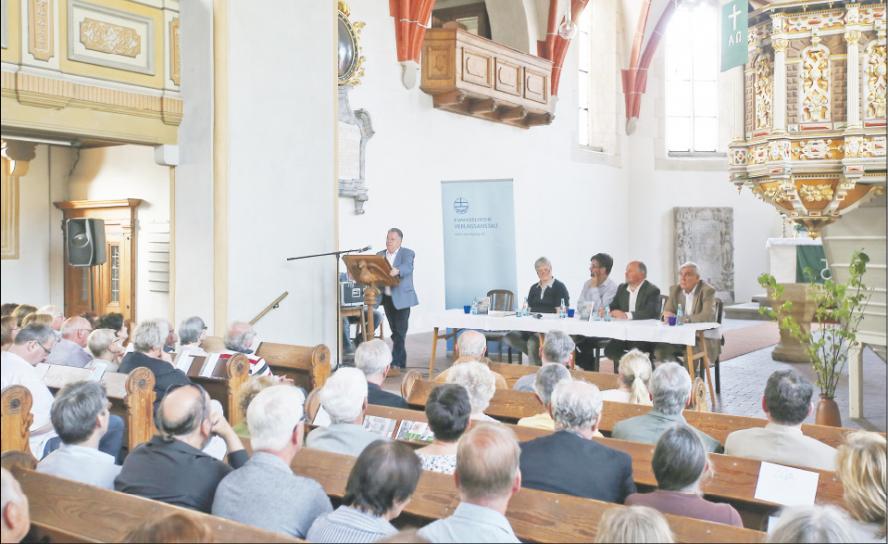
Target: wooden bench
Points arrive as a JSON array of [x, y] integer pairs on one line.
[[223, 383], [67, 511], [535, 516], [512, 373], [308, 367]]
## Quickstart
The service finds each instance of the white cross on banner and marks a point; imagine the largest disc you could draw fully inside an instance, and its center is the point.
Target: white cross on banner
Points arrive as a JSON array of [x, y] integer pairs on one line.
[[735, 34]]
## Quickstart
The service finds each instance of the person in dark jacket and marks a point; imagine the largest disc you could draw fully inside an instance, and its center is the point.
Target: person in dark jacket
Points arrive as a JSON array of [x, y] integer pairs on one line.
[[148, 341], [374, 358], [637, 299], [544, 297]]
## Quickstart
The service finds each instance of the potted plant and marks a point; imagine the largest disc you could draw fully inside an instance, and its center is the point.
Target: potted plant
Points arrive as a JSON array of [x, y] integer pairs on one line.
[[839, 309]]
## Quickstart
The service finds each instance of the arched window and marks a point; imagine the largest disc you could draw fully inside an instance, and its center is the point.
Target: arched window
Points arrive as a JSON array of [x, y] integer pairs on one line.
[[597, 67]]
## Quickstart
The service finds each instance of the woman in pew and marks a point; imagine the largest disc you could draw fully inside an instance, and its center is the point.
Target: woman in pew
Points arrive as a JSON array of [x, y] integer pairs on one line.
[[633, 524], [115, 322], [447, 410], [812, 524], [8, 329], [680, 466], [480, 384], [635, 375], [860, 465], [379, 487]]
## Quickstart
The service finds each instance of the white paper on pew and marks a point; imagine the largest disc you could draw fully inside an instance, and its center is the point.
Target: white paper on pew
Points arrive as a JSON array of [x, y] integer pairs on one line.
[[322, 418], [786, 485], [382, 426], [183, 362], [209, 365]]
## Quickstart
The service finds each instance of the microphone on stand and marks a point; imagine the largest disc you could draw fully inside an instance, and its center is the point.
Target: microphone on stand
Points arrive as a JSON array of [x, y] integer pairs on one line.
[[366, 248]]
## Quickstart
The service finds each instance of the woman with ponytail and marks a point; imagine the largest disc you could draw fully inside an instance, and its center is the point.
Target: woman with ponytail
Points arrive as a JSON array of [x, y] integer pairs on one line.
[[635, 374]]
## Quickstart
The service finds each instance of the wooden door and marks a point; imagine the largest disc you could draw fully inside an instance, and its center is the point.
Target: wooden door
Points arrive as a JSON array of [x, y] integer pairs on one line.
[[109, 287]]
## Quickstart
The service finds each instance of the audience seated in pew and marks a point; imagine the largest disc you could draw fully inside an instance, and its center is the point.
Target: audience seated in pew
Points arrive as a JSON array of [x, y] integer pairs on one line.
[[379, 486], [569, 461], [558, 348], [58, 317], [173, 528], [148, 341], [106, 349], [479, 383], [860, 466], [7, 308], [633, 524], [680, 465], [671, 389], [81, 417], [70, 350], [787, 403], [264, 492], [14, 515], [245, 396], [39, 318], [545, 380], [374, 358], [447, 411], [8, 330], [487, 475], [471, 346], [344, 399], [21, 312], [635, 376], [242, 338], [32, 345], [192, 331], [171, 466], [811, 524]]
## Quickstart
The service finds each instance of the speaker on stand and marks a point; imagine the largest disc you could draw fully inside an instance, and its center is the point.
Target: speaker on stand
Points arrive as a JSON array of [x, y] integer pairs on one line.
[[85, 247]]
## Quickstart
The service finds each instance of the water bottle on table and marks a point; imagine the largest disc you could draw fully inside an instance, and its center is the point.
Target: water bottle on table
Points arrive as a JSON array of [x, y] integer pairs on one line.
[[607, 313], [679, 315], [562, 310]]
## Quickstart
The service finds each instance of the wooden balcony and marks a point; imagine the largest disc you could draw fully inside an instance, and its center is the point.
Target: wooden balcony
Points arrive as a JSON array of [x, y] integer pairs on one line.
[[470, 75]]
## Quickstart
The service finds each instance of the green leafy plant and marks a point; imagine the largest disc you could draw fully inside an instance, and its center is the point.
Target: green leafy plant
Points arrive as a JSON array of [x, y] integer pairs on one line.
[[839, 309]]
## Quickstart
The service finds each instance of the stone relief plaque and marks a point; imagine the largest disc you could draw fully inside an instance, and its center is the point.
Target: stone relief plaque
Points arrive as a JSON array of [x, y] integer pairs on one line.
[[706, 236], [354, 131]]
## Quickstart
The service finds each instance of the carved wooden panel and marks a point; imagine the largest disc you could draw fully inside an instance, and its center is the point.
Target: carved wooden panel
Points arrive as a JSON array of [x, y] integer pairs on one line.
[[536, 86], [508, 77], [108, 37], [40, 29], [437, 63], [10, 208], [477, 67]]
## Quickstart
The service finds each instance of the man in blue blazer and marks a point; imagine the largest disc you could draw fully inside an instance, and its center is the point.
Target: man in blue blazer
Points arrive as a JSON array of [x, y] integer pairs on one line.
[[398, 300]]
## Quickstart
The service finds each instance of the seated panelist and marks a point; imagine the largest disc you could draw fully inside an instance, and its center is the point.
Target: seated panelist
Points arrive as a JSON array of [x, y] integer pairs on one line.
[[544, 297]]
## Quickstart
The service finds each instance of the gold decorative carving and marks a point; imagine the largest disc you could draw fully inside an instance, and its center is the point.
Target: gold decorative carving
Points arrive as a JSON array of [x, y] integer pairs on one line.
[[815, 84], [40, 29], [764, 90], [875, 77], [780, 45], [175, 69], [110, 38], [852, 36], [814, 149], [816, 193]]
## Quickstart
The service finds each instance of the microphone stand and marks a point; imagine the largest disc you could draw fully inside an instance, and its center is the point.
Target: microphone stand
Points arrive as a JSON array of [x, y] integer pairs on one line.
[[336, 255]]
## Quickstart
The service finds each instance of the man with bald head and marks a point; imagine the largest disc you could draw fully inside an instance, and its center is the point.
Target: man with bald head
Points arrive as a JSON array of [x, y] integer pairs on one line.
[[471, 347], [171, 466], [241, 338], [71, 349], [636, 299]]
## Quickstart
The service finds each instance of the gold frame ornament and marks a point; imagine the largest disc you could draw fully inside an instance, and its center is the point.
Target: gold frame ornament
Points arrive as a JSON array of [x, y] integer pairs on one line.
[[351, 74]]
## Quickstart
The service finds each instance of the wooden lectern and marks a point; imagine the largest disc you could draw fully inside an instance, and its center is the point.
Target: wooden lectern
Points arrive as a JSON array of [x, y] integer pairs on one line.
[[371, 270]]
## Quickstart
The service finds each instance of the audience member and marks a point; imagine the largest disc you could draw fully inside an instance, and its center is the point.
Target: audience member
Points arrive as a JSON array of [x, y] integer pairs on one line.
[[106, 349], [265, 492], [58, 317], [680, 465], [696, 300], [374, 358], [860, 466], [447, 411], [148, 340], [117, 323], [598, 293], [635, 375], [471, 347], [245, 396], [13, 510], [810, 525], [91, 317], [637, 299], [545, 297], [22, 311], [7, 308], [633, 524], [558, 347], [171, 466], [192, 331], [242, 338], [39, 318], [91, 437], [172, 339], [344, 398], [70, 350], [379, 486], [487, 475], [171, 529], [8, 329], [787, 403], [670, 389], [569, 461], [479, 383], [545, 380], [31, 346]]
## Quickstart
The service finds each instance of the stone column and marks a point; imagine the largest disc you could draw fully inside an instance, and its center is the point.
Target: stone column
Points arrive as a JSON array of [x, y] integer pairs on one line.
[[852, 64], [779, 122]]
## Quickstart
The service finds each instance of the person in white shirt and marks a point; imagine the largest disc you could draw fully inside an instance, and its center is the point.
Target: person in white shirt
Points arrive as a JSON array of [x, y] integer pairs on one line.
[[31, 347], [479, 383], [597, 295], [787, 403], [192, 332], [80, 415], [107, 350]]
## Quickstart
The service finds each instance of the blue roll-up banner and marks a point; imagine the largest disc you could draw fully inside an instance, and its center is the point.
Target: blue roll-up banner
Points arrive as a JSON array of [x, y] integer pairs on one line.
[[479, 239]]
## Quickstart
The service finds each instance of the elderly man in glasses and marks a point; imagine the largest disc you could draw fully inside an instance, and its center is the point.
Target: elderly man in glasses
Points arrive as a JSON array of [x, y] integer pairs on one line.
[[71, 349]]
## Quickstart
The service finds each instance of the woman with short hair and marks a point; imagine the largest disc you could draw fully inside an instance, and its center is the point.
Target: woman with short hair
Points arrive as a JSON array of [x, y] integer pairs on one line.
[[812, 524], [860, 466], [106, 349], [479, 382], [633, 524], [448, 410]]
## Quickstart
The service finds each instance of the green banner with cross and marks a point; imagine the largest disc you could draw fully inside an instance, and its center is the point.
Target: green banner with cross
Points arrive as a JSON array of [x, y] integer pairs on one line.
[[735, 34]]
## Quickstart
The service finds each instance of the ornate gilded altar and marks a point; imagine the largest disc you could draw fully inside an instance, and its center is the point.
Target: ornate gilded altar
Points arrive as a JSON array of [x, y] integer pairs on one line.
[[814, 109]]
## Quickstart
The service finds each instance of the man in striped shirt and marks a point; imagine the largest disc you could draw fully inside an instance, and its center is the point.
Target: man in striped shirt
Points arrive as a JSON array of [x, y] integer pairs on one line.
[[241, 338]]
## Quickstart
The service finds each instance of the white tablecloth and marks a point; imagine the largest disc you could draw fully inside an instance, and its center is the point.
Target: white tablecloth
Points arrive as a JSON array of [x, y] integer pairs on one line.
[[649, 330]]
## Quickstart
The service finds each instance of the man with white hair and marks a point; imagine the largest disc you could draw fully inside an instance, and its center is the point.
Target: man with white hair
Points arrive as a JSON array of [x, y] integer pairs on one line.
[[471, 346], [374, 359], [487, 475], [605, 474], [58, 317], [14, 509], [696, 300], [558, 347], [478, 381], [241, 338], [549, 376], [70, 349], [148, 341], [344, 398], [265, 492], [671, 389]]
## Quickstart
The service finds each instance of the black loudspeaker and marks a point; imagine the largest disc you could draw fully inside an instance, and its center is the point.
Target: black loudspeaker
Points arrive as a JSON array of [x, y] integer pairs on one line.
[[85, 241]]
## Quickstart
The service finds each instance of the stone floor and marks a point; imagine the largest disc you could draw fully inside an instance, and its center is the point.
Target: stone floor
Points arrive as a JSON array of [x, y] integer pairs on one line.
[[742, 379]]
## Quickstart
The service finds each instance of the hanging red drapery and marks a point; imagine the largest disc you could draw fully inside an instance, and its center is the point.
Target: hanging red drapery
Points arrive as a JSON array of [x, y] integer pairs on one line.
[[410, 20], [555, 47]]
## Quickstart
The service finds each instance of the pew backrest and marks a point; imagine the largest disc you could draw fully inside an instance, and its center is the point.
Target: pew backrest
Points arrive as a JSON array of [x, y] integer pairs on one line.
[[223, 382], [15, 418], [308, 366], [512, 373]]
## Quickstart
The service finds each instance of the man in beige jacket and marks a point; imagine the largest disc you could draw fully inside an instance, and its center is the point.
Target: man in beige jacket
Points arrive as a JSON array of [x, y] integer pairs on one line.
[[697, 301]]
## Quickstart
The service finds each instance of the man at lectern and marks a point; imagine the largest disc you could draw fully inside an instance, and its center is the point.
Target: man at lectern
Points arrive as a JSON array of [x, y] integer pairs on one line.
[[398, 300]]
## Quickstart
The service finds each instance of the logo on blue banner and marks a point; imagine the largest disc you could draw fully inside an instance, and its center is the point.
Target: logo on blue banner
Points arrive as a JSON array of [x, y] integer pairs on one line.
[[461, 205]]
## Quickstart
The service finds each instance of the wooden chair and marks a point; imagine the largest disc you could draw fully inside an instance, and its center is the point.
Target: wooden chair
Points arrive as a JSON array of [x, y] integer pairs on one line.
[[15, 419], [308, 367], [501, 300]]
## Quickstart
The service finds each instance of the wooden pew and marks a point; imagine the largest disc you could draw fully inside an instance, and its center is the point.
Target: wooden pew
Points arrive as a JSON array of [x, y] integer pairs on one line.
[[513, 372], [535, 516], [68, 511], [15, 419], [308, 367], [224, 383]]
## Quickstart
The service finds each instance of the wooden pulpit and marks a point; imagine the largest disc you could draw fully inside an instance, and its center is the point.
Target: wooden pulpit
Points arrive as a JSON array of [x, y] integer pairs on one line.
[[372, 271]]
